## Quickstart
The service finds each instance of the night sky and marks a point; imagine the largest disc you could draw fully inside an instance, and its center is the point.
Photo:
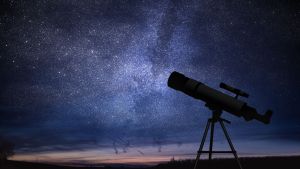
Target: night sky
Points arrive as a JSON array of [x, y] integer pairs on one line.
[[86, 81]]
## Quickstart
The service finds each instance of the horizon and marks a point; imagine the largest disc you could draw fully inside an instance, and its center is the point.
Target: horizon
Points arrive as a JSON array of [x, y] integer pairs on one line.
[[148, 164], [150, 157], [87, 80]]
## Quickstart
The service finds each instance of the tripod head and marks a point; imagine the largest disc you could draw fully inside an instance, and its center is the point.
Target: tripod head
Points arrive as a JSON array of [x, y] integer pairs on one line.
[[216, 113]]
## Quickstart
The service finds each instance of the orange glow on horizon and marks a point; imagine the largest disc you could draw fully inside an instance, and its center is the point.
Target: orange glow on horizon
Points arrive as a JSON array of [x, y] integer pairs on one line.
[[151, 156], [145, 155]]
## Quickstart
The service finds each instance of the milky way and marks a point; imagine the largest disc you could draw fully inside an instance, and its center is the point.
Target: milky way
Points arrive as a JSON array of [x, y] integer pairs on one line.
[[93, 74]]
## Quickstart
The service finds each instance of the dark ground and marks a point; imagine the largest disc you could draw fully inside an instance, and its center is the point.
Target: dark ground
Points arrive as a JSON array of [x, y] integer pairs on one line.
[[292, 162]]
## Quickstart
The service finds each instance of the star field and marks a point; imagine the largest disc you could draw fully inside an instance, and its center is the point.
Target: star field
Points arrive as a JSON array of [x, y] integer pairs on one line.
[[93, 74]]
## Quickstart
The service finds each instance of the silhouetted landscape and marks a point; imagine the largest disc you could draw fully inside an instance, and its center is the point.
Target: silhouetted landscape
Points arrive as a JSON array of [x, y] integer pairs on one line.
[[290, 162]]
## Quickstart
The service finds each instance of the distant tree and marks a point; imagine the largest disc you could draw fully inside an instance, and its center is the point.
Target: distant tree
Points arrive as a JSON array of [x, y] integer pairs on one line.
[[6, 149], [172, 160]]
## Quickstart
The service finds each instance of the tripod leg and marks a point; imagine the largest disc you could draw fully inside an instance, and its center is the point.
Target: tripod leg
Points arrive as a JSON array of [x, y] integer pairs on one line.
[[230, 143], [211, 141], [202, 143]]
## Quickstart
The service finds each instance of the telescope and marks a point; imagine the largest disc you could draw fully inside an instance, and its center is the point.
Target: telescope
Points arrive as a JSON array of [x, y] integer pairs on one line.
[[217, 99]]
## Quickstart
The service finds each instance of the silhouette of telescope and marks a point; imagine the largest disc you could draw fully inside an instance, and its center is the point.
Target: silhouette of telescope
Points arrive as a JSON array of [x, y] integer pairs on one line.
[[216, 98]]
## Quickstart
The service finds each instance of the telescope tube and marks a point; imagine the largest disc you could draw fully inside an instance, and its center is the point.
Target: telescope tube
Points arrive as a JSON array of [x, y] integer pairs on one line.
[[211, 96]]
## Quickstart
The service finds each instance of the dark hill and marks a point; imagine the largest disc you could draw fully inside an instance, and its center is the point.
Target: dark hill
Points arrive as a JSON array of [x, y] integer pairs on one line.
[[292, 162]]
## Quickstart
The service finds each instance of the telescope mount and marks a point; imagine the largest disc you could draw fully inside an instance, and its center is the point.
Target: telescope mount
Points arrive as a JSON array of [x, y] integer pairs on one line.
[[216, 118]]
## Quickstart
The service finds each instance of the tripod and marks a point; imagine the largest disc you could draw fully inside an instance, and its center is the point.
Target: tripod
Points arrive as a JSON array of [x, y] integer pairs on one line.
[[211, 122]]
